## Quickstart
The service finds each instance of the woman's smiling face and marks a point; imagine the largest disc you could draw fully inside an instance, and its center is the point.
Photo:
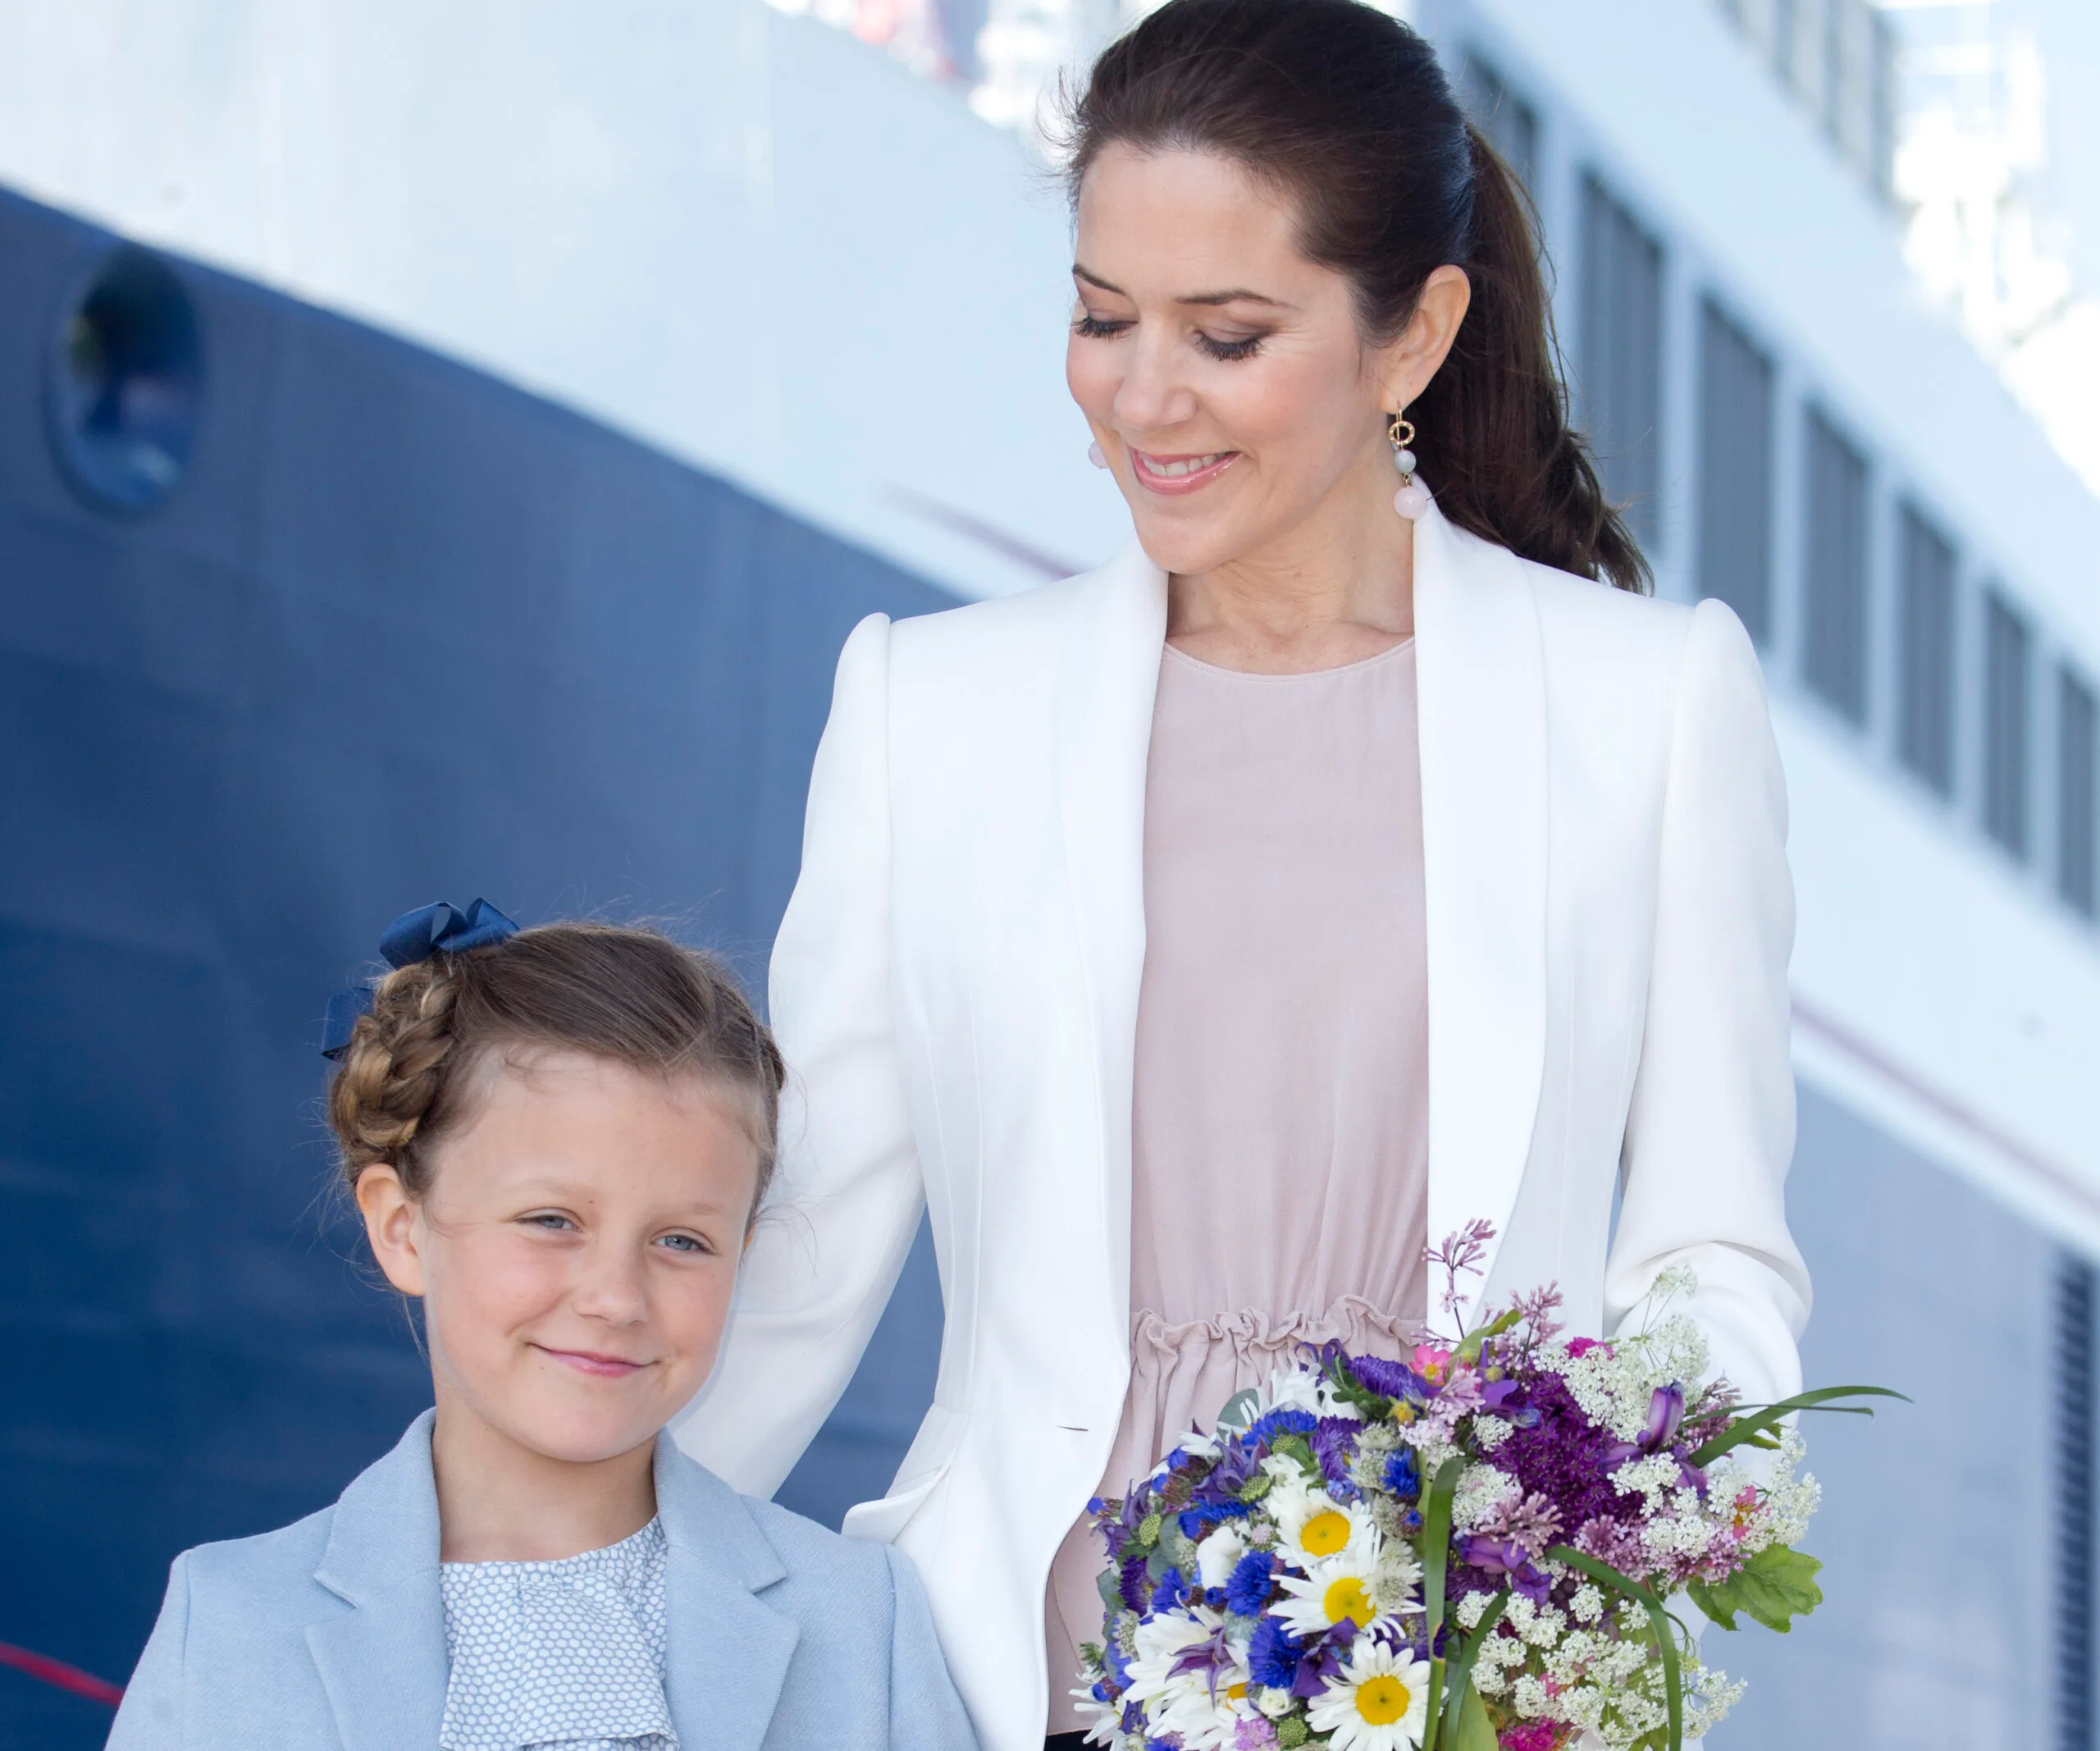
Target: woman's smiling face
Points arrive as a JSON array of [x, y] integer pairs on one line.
[[1223, 374]]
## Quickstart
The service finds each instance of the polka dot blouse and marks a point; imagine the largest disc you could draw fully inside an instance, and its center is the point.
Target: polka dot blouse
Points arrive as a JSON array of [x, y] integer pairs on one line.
[[567, 1654]]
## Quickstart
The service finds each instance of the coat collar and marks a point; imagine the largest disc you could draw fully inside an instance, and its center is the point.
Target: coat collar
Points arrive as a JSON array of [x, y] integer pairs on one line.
[[383, 1663], [1481, 681]]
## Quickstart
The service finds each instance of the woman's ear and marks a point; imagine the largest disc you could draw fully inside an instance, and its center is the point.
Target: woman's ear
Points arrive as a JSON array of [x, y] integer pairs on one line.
[[1407, 363], [393, 1225]]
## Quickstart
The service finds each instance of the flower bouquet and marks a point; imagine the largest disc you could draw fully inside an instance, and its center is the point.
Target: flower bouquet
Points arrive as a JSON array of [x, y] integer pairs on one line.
[[1476, 1549]]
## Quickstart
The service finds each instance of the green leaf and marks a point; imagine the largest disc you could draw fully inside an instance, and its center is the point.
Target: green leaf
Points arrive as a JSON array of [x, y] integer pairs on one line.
[[1437, 1541], [1749, 1428], [1239, 1410], [1298, 1447], [1475, 1732], [1469, 1348], [1460, 1673], [1775, 1586]]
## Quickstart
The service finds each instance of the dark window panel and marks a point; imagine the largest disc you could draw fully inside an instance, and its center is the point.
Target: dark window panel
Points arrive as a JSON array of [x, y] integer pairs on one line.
[[1925, 728], [1834, 574], [1621, 371], [2078, 756], [2007, 645], [2072, 1542], [1510, 124], [1735, 472]]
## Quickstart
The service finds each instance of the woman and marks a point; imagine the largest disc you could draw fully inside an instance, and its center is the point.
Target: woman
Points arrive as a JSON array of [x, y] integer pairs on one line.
[[1336, 867]]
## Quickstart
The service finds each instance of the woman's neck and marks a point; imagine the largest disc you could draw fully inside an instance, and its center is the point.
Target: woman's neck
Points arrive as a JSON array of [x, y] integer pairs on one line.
[[1337, 589], [498, 1501]]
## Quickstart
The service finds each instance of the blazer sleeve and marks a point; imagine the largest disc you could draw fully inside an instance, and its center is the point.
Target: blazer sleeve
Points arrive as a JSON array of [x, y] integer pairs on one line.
[[150, 1716], [828, 1248], [925, 1711], [1710, 1130]]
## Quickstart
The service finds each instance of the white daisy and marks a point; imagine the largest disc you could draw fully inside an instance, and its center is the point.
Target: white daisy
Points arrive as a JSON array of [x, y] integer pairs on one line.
[[1183, 1703], [1327, 1592], [1381, 1702], [1310, 1525]]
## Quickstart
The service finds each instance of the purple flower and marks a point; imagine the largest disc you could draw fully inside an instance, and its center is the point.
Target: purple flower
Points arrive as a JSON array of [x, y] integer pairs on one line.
[[1505, 1556], [1132, 1583], [1394, 1379], [1334, 1446]]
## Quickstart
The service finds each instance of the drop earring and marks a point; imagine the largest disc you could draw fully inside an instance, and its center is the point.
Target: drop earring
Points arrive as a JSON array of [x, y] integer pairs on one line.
[[1093, 454], [1413, 499]]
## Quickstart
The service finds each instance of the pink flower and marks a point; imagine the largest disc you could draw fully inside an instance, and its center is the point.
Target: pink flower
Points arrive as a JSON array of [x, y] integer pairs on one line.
[[1431, 1363], [1581, 1346]]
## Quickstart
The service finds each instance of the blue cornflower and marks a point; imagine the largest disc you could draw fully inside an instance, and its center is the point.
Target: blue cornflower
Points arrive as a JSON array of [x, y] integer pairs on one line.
[[1265, 1429], [1404, 1474], [1197, 1520], [1172, 1590], [1247, 1589], [1273, 1655]]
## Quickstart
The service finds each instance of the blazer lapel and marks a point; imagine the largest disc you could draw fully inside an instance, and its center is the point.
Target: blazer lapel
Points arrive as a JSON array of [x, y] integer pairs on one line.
[[383, 1664], [1108, 676], [729, 1650], [1481, 678]]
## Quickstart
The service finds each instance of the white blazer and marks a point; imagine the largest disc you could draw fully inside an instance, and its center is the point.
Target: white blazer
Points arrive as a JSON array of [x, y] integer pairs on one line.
[[955, 986]]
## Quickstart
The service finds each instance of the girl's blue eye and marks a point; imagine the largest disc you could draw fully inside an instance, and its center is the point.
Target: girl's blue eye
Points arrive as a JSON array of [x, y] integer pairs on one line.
[[549, 1219], [686, 1243]]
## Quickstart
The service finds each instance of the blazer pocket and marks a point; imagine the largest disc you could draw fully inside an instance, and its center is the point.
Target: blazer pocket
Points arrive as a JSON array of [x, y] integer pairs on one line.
[[926, 1462]]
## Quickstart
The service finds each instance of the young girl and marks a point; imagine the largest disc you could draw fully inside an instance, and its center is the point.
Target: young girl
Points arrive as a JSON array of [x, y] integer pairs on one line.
[[558, 1139]]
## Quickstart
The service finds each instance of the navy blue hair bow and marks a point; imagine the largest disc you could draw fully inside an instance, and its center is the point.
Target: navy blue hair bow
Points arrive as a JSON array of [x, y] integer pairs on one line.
[[438, 929]]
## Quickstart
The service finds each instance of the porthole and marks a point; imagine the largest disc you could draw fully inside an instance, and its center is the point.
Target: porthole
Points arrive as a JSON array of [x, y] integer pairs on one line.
[[124, 380]]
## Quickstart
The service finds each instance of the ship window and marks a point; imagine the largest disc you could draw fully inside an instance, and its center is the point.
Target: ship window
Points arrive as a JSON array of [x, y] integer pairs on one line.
[[1926, 731], [1834, 644], [1735, 472], [2078, 745], [2007, 646], [2072, 1543], [1511, 125], [124, 382], [1620, 372]]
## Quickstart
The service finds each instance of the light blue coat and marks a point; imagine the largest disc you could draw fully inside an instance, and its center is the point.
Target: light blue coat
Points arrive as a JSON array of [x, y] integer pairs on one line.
[[330, 1633]]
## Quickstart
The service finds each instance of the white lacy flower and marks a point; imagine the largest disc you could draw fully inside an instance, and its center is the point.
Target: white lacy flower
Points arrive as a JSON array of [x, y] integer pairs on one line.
[[1482, 1490], [1381, 1701]]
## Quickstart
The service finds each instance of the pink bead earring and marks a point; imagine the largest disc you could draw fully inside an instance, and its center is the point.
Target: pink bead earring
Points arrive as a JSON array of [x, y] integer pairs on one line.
[[1412, 500], [1093, 454]]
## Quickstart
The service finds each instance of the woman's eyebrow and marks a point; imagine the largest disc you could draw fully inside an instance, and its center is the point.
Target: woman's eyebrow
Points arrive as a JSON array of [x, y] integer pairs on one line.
[[1238, 294]]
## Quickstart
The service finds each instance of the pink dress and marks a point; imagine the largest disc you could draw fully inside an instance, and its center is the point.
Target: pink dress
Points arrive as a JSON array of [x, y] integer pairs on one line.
[[1279, 1167]]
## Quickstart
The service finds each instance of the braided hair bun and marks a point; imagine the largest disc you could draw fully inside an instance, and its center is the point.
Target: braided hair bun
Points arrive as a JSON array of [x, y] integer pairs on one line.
[[630, 996]]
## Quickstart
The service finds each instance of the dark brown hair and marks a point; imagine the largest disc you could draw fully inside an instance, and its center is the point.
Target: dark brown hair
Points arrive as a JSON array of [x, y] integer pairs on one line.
[[1347, 111], [631, 996]]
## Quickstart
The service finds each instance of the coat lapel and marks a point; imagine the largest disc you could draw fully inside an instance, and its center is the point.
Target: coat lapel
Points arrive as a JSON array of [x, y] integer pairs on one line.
[[1480, 676], [729, 1650], [1108, 678], [383, 1663]]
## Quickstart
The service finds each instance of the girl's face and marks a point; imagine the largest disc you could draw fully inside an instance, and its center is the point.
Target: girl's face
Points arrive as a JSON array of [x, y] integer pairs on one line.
[[577, 1251], [1224, 375]]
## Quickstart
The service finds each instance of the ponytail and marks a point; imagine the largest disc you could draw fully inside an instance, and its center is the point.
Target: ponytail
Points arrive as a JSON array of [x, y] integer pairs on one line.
[[1348, 109], [1493, 428]]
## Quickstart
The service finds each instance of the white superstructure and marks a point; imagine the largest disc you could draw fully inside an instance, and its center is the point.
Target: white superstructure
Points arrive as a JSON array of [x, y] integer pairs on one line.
[[777, 252]]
